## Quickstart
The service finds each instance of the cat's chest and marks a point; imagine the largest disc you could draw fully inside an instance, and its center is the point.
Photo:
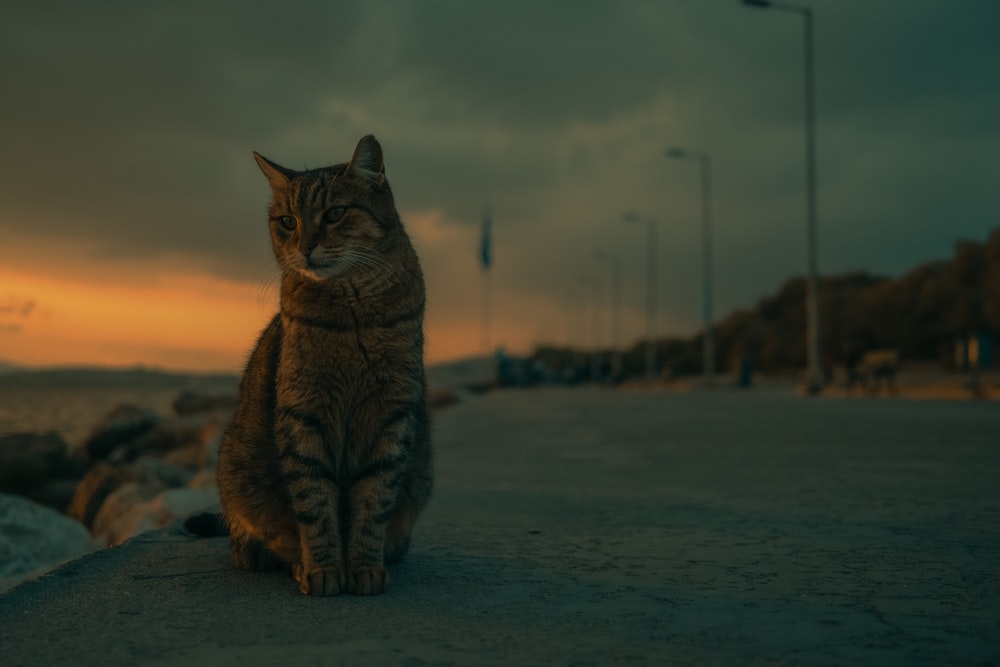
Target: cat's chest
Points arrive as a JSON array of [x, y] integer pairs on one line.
[[339, 379], [324, 376], [342, 363], [345, 354]]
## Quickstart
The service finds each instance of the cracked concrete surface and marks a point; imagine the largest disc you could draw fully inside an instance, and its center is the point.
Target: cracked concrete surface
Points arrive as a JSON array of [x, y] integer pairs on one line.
[[593, 527]]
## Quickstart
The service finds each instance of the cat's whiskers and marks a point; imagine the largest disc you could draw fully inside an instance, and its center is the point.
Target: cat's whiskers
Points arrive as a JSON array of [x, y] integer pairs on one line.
[[369, 260], [374, 263], [270, 286]]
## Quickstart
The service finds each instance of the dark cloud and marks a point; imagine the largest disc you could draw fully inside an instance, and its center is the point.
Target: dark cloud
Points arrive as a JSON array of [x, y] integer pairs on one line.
[[530, 64], [130, 128], [13, 310], [17, 306]]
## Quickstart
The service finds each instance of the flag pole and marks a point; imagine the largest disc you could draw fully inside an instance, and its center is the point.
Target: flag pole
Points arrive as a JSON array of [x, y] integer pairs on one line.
[[486, 312], [486, 260]]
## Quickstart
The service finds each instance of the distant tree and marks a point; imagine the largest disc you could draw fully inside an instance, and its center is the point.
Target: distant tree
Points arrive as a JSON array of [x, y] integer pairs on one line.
[[991, 282]]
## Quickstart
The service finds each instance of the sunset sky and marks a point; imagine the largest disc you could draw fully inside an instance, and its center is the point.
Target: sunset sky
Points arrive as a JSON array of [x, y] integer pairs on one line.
[[132, 216]]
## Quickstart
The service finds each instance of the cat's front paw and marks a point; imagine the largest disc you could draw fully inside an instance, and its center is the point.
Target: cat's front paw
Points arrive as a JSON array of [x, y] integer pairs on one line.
[[320, 581], [367, 579]]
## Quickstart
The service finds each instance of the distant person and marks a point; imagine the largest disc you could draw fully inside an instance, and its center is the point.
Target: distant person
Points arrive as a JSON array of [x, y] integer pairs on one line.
[[853, 353]]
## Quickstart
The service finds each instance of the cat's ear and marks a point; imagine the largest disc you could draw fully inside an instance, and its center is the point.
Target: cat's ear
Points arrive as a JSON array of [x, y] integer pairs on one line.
[[367, 160], [277, 175]]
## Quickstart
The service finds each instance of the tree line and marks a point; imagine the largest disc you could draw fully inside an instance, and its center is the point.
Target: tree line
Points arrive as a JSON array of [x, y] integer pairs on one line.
[[920, 313]]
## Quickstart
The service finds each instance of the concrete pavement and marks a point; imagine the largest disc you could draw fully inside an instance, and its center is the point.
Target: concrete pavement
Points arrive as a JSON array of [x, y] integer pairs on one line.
[[593, 527]]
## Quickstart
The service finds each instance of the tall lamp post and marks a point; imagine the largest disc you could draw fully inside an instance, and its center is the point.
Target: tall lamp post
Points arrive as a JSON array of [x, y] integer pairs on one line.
[[652, 251], [594, 325], [815, 380], [708, 341], [616, 309]]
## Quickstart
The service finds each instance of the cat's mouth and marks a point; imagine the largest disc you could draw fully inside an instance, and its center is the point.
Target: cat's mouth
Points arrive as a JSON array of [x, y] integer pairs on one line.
[[329, 263], [321, 268], [315, 271]]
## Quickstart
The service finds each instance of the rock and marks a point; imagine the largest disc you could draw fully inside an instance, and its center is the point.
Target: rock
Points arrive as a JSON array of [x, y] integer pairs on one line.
[[169, 474], [104, 479], [165, 455], [203, 479], [123, 513], [190, 456], [54, 493], [28, 460], [100, 481], [40, 467], [136, 507], [35, 539], [200, 435], [212, 449], [193, 403], [205, 524], [178, 440], [182, 503], [167, 435], [121, 426]]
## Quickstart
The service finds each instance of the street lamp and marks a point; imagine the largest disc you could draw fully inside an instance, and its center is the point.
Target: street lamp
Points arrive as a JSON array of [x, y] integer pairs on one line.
[[815, 380], [594, 325], [708, 342], [652, 366], [616, 307]]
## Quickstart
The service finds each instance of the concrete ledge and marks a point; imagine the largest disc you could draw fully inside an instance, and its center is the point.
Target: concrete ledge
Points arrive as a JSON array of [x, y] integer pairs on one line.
[[595, 527]]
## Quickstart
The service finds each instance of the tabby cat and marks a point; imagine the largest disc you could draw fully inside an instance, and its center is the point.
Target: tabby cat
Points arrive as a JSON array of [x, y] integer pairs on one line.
[[327, 462]]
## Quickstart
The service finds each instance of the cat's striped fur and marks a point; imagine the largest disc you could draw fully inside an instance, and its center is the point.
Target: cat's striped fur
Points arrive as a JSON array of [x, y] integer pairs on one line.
[[327, 462]]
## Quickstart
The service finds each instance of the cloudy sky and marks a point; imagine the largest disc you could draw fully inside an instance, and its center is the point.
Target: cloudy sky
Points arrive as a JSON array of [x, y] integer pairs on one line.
[[132, 217]]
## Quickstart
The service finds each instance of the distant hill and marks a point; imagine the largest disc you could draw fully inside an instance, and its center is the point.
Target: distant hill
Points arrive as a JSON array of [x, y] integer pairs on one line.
[[445, 375], [7, 367], [110, 378]]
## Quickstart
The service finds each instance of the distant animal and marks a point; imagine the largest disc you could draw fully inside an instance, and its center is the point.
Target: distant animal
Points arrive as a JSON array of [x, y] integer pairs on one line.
[[327, 462], [878, 366]]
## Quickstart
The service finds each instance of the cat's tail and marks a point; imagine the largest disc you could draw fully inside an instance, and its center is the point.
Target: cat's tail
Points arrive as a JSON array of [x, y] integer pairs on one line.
[[206, 524]]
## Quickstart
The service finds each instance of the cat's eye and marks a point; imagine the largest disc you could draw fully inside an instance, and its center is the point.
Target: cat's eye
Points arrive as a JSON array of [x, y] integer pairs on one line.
[[336, 213], [287, 223]]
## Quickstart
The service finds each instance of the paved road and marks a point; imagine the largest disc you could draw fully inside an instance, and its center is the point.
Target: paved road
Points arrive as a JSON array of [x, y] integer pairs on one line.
[[595, 527]]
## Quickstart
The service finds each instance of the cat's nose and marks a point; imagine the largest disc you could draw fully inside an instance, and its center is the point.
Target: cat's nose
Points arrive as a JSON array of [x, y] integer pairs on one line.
[[307, 245]]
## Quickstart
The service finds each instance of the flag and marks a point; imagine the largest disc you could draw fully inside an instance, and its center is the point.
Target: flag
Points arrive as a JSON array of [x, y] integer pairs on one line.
[[486, 245]]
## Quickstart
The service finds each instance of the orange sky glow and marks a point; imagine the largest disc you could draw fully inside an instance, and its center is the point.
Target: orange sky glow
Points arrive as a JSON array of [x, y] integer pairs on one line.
[[82, 311], [186, 322]]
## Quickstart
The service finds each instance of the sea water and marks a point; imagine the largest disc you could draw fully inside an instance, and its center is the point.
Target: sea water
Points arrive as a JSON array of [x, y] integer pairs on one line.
[[71, 403]]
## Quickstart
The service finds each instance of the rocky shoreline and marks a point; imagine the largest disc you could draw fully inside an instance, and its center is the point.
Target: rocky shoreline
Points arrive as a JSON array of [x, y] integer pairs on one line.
[[136, 471]]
